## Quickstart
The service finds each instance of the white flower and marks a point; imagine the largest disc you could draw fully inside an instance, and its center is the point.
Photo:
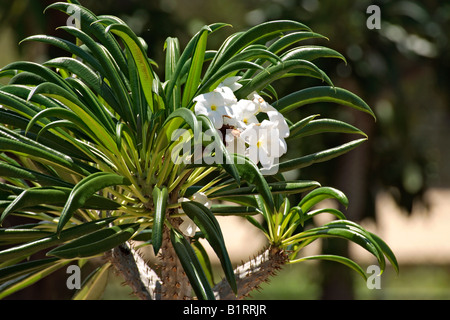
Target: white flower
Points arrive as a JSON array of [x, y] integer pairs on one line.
[[273, 114], [280, 122], [188, 227], [200, 197], [231, 82], [244, 113], [215, 105], [265, 145], [261, 104]]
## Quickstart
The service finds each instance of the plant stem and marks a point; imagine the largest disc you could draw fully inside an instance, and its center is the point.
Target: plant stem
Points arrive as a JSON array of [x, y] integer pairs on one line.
[[250, 275], [138, 275]]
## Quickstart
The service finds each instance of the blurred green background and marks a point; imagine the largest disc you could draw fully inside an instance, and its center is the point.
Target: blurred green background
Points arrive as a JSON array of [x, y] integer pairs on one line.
[[397, 182]]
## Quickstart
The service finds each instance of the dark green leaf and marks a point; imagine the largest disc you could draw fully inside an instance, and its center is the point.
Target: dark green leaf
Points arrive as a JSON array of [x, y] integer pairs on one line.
[[191, 266], [160, 203]]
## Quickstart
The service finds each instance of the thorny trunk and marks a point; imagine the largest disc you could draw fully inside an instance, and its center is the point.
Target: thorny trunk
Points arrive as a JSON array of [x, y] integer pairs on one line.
[[146, 284], [175, 283], [250, 275], [138, 275]]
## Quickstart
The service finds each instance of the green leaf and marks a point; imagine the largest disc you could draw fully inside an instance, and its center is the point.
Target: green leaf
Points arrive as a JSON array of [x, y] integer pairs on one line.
[[94, 285], [318, 157], [26, 274], [387, 251], [54, 196], [346, 230], [140, 58], [273, 73], [34, 246], [85, 189], [39, 152], [172, 46], [9, 273], [160, 203], [77, 67], [97, 130], [208, 224], [325, 125], [88, 25], [227, 70], [20, 234], [320, 194], [249, 172], [226, 210], [11, 171], [182, 115], [322, 94], [264, 31], [191, 266], [95, 243], [203, 258], [291, 38], [281, 187], [70, 47], [196, 67], [42, 71], [227, 161], [311, 53], [346, 261]]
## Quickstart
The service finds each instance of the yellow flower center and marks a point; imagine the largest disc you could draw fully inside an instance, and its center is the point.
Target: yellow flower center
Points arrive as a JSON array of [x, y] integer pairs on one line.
[[213, 107]]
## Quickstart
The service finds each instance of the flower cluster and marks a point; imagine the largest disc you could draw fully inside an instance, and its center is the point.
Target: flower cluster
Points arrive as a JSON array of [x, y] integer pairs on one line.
[[251, 127]]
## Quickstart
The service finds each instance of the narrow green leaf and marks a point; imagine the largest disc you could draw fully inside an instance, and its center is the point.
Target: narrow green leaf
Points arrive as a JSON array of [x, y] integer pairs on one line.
[[39, 152], [346, 261], [320, 194], [266, 31], [387, 251], [140, 59], [95, 243], [273, 73], [191, 266], [249, 172], [94, 285], [21, 234], [85, 189], [39, 69], [9, 273], [26, 274], [324, 126], [160, 203], [226, 210], [322, 94], [311, 53], [318, 157], [54, 196], [210, 227], [196, 67], [35, 246], [204, 260], [12, 171], [291, 38], [172, 46], [69, 47], [88, 25], [227, 161], [281, 187]]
